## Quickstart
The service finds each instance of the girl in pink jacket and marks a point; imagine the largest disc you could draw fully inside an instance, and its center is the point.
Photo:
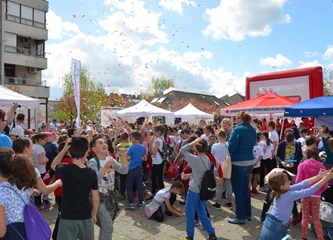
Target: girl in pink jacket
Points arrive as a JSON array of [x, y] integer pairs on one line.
[[310, 205]]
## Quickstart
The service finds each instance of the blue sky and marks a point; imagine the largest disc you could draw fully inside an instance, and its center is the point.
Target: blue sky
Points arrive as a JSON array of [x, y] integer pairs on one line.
[[207, 46]]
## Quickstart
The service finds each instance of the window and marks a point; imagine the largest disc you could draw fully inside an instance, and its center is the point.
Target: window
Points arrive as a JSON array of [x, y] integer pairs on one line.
[[9, 70], [13, 9], [10, 39], [26, 15], [39, 16]]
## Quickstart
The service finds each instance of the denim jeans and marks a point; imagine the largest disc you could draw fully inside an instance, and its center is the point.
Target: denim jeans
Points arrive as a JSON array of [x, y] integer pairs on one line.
[[273, 229], [134, 176], [240, 178], [195, 204]]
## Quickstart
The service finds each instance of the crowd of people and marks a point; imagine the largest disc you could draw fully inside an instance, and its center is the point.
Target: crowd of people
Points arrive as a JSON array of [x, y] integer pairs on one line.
[[147, 165]]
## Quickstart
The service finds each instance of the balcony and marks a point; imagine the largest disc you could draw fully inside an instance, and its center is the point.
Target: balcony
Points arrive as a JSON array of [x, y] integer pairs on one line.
[[25, 27], [27, 87], [24, 57]]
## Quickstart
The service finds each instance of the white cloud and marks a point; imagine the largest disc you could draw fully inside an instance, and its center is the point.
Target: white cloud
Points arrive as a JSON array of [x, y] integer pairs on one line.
[[309, 54], [329, 53], [237, 19], [278, 61], [175, 5], [123, 59], [57, 28], [309, 64]]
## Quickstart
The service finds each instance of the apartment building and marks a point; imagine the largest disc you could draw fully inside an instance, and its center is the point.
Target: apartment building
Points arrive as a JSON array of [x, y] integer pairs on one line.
[[22, 57]]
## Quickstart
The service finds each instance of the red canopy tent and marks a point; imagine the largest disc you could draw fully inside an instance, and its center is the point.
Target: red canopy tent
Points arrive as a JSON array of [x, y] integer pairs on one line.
[[267, 105]]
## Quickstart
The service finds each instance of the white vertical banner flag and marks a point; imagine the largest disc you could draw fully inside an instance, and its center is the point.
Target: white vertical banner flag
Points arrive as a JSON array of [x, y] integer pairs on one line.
[[75, 72]]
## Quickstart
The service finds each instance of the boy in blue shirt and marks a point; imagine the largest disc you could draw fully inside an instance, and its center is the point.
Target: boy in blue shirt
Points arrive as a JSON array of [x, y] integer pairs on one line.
[[137, 153]]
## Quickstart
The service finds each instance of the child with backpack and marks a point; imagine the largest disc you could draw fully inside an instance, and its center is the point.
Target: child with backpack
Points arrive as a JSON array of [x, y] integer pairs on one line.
[[276, 224], [162, 203], [200, 164], [25, 222], [77, 216], [310, 205], [105, 168]]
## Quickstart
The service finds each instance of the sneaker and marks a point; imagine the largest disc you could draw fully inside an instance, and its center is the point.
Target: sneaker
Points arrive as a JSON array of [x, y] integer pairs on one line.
[[252, 194], [212, 237], [228, 204], [216, 206], [140, 205], [188, 238], [44, 207], [196, 222], [130, 206], [182, 202]]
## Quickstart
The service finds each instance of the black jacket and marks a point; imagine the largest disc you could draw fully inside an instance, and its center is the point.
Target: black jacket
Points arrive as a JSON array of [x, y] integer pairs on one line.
[[281, 155]]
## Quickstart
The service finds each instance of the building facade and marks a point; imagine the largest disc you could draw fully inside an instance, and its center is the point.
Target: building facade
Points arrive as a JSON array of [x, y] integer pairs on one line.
[[22, 57]]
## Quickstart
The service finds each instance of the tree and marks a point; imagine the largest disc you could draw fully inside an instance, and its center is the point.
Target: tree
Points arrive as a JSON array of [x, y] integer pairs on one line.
[[158, 86], [328, 81], [92, 98]]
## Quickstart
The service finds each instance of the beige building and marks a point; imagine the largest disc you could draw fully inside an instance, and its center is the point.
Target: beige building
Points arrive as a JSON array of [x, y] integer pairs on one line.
[[22, 57]]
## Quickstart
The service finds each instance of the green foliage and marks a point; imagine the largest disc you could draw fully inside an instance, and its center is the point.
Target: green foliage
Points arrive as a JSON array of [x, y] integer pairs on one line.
[[92, 97], [328, 81], [158, 86]]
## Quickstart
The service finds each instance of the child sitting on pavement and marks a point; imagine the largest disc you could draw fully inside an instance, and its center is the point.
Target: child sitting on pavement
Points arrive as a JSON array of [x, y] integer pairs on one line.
[[156, 209]]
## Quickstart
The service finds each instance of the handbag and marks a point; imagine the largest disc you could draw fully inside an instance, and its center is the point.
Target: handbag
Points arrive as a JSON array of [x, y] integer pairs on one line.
[[227, 166]]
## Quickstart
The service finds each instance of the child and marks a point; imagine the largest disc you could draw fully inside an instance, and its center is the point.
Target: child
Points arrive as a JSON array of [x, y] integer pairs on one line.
[[77, 218], [220, 151], [17, 178], [258, 152], [311, 205], [267, 164], [156, 209], [276, 224], [123, 145], [58, 192], [199, 164], [105, 168], [157, 181], [40, 161], [136, 152]]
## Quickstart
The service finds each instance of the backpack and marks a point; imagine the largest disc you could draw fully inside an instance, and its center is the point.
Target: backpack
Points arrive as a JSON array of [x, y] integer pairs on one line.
[[35, 225], [208, 185], [167, 152]]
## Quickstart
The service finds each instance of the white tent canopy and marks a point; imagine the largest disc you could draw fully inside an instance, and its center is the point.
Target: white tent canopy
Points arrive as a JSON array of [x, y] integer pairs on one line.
[[191, 113], [8, 97], [144, 109]]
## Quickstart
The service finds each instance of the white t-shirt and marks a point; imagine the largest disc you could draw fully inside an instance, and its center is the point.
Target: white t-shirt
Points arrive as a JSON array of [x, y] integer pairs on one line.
[[274, 137], [17, 130], [220, 151], [269, 149], [39, 150], [157, 201], [258, 151], [302, 141], [107, 182], [157, 158]]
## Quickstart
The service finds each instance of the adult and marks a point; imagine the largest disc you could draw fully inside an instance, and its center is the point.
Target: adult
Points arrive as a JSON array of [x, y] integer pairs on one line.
[[241, 143], [226, 125], [4, 139], [16, 129]]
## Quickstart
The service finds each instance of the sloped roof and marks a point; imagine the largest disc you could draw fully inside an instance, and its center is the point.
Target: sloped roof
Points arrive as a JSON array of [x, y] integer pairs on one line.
[[232, 99], [173, 94]]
